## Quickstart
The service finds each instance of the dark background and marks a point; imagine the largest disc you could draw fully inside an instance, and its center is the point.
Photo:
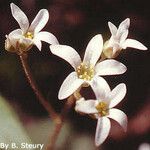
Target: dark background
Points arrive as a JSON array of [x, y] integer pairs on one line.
[[74, 23]]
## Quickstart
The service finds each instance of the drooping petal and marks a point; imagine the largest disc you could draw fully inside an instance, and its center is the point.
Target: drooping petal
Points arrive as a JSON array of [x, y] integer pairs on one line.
[[14, 36], [69, 86], [117, 94], [93, 50], [67, 53], [39, 21], [134, 44], [102, 130], [113, 28], [110, 67], [38, 43], [119, 116], [86, 106], [47, 37], [20, 17], [124, 25], [100, 88]]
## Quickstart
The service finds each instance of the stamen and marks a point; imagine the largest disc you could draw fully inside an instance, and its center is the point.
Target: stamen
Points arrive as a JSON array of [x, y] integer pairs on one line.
[[85, 72], [29, 35], [102, 108]]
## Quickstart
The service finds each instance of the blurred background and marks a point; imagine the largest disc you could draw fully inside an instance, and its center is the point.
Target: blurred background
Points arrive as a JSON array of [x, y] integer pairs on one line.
[[74, 23]]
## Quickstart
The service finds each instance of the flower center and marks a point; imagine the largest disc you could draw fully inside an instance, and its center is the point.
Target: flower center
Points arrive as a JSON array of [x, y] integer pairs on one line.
[[29, 35], [85, 72], [102, 108]]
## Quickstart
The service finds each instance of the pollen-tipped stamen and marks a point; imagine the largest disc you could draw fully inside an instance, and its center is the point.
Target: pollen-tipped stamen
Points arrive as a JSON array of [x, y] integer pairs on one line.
[[102, 108], [29, 35], [85, 72]]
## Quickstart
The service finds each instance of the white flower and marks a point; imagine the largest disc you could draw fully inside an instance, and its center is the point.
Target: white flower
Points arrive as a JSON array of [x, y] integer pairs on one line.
[[144, 146], [86, 71], [119, 41], [102, 109], [28, 35]]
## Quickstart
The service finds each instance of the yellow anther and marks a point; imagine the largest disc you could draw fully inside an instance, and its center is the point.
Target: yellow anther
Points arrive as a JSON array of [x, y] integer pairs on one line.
[[29, 35], [85, 72], [102, 108]]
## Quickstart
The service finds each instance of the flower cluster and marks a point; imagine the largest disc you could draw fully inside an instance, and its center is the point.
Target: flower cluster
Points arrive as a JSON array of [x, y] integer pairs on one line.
[[89, 71], [98, 61]]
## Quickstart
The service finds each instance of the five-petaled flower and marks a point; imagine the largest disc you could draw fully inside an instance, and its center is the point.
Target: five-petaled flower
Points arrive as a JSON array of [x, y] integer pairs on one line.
[[22, 39], [102, 109], [119, 41], [87, 71]]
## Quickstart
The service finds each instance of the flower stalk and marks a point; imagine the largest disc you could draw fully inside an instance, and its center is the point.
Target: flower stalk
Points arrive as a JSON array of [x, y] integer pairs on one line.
[[53, 115], [58, 126]]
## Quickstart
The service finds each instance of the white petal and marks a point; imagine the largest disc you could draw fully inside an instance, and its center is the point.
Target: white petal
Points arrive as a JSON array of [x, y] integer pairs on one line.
[[86, 106], [93, 50], [119, 116], [27, 44], [110, 67], [123, 27], [20, 17], [102, 130], [134, 44], [113, 28], [117, 94], [38, 43], [67, 53], [14, 36], [116, 48], [100, 88], [69, 86], [47, 37], [39, 21], [144, 146], [124, 36]]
